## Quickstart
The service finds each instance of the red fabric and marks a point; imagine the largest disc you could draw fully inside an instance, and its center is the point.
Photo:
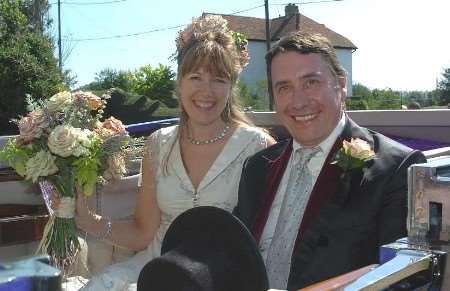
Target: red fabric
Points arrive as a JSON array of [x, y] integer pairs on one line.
[[273, 178]]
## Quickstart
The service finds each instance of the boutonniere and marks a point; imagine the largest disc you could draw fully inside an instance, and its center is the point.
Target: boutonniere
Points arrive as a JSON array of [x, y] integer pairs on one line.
[[352, 155]]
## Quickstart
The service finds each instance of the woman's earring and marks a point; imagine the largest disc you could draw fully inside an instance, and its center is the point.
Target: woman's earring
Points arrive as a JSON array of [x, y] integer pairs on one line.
[[226, 114]]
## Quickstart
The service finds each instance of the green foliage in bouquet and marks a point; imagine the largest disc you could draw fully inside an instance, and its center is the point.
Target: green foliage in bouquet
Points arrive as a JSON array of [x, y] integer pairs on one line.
[[64, 145]]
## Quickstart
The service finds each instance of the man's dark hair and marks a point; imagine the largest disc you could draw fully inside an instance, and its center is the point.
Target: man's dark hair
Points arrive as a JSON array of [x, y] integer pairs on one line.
[[306, 43]]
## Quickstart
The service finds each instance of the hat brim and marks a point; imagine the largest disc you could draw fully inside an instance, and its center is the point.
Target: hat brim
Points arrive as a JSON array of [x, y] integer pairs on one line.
[[218, 226]]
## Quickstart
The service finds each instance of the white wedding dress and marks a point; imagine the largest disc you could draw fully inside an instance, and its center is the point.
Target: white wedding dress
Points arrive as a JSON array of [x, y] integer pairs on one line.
[[176, 194]]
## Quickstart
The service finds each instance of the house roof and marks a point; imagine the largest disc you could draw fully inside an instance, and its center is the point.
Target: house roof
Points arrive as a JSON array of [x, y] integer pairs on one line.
[[255, 28]]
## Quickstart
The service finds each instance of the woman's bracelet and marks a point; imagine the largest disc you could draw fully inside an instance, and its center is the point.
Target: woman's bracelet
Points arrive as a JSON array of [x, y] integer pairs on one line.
[[108, 231]]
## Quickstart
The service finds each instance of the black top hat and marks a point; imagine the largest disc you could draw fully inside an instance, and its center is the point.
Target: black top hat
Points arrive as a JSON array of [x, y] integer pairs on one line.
[[206, 248]]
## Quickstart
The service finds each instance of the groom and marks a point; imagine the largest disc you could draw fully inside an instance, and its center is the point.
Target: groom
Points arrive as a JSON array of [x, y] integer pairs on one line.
[[314, 216]]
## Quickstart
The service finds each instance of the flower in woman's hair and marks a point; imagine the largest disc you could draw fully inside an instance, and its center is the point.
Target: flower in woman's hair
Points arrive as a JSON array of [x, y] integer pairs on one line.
[[66, 140], [59, 101], [40, 165], [241, 43], [205, 28], [244, 59], [183, 37], [32, 126], [116, 167], [114, 126], [353, 154], [92, 101]]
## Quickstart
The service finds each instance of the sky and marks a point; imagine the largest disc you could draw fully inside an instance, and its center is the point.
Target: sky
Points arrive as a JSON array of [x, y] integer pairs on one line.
[[402, 44]]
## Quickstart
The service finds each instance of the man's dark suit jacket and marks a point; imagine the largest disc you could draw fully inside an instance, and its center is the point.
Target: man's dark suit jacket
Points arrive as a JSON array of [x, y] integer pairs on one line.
[[346, 219]]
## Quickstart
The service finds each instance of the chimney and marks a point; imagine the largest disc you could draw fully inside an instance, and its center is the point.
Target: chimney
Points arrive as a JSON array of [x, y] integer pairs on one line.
[[291, 9]]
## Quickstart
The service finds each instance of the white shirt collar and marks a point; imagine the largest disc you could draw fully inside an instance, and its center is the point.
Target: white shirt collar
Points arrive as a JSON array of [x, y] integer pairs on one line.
[[327, 143]]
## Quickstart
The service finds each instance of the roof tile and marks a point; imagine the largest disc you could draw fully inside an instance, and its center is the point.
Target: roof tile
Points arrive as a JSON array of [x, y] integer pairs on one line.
[[255, 28]]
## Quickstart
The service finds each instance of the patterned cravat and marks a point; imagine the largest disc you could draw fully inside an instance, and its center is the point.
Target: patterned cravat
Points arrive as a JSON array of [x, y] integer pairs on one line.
[[299, 187]]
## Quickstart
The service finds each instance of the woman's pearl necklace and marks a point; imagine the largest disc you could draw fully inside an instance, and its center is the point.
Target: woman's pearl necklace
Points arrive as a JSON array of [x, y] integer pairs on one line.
[[218, 137]]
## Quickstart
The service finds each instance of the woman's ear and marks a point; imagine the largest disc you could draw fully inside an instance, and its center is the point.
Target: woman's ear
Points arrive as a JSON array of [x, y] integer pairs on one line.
[[342, 85]]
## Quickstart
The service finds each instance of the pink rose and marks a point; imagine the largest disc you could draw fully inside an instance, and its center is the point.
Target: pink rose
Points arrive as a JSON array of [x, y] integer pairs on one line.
[[93, 101], [32, 126]]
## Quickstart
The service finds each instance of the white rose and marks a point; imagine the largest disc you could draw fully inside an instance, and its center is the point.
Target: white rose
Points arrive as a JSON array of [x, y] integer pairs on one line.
[[84, 137], [58, 101], [41, 165], [65, 141]]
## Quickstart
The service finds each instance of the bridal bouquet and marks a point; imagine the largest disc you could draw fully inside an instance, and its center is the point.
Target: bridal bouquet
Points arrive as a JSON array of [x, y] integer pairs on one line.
[[63, 145]]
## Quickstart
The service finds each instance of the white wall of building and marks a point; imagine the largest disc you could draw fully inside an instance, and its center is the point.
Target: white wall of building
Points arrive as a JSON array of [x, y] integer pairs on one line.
[[345, 58], [256, 69]]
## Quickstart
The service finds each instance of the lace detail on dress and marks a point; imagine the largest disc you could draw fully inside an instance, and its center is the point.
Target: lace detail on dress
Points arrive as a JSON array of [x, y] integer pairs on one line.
[[155, 145]]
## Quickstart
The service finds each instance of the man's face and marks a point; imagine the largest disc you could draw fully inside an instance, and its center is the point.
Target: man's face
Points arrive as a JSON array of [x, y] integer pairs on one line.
[[308, 98]]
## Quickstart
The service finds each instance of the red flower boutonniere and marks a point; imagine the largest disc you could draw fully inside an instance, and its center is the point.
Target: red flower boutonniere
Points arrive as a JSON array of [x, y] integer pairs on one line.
[[352, 155]]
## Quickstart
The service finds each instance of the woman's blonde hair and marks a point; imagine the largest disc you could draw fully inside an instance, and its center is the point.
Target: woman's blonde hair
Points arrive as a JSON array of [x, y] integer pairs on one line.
[[208, 42]]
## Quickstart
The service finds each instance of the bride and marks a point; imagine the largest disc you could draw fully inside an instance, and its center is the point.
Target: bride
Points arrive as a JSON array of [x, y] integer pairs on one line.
[[195, 163]]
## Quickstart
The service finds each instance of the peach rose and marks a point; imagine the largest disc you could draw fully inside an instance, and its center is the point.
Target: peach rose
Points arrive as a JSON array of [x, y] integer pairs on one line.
[[358, 148], [93, 101], [114, 126]]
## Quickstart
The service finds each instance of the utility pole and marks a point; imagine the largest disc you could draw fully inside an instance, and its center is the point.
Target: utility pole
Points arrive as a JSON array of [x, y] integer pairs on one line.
[[268, 39], [59, 37]]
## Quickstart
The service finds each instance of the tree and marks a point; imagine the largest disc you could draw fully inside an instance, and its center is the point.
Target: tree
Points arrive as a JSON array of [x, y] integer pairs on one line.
[[110, 78], [256, 99], [359, 90], [36, 13], [384, 99], [444, 88], [157, 84], [359, 100], [27, 63]]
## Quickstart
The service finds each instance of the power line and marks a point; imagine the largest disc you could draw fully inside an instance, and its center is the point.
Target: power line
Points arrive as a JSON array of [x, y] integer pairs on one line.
[[89, 3], [245, 10], [300, 3], [129, 34], [152, 30]]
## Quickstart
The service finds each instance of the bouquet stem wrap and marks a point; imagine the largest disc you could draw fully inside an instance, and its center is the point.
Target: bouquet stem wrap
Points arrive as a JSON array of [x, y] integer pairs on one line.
[[60, 239]]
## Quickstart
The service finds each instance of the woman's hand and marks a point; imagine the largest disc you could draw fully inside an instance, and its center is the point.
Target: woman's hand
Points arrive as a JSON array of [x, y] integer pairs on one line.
[[84, 218]]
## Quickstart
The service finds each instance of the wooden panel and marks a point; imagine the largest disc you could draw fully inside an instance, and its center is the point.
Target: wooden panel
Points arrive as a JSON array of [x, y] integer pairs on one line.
[[21, 223], [8, 174]]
